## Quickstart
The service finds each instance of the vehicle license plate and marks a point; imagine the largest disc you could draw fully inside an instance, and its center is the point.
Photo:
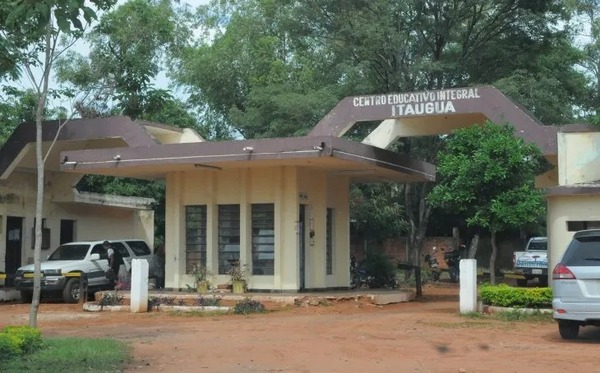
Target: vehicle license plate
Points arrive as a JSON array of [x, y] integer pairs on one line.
[[536, 271]]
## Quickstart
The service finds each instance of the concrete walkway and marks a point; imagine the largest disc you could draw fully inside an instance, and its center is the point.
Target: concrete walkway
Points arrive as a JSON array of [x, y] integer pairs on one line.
[[376, 296]]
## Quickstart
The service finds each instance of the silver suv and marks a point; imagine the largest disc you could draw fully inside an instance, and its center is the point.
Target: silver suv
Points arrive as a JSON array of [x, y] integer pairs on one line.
[[576, 284]]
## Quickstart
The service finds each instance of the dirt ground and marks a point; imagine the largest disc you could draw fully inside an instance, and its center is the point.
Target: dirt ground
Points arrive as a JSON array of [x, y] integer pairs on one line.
[[426, 335]]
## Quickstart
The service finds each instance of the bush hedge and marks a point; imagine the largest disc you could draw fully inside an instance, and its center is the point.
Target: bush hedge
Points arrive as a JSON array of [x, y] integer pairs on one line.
[[18, 340], [508, 296]]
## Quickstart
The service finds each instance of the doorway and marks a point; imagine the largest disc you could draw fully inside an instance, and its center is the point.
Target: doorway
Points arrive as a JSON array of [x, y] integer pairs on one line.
[[302, 245], [14, 240], [67, 229]]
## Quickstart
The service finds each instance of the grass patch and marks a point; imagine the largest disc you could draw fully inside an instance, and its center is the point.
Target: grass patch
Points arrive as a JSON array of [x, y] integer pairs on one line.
[[200, 313], [511, 315], [460, 324], [516, 315], [73, 355]]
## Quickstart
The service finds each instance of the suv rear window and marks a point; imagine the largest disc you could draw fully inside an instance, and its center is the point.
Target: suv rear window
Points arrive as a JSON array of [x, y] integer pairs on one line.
[[583, 252], [139, 248]]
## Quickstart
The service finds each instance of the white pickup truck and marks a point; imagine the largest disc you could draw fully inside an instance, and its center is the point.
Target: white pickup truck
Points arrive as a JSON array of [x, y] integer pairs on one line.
[[533, 262], [70, 262]]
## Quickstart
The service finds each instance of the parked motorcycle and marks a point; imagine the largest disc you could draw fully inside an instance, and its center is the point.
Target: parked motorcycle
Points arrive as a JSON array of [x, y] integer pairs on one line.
[[452, 259], [358, 277], [431, 260]]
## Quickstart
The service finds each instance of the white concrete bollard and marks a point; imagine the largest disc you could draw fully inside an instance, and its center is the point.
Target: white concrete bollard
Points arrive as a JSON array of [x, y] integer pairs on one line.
[[139, 285], [468, 285]]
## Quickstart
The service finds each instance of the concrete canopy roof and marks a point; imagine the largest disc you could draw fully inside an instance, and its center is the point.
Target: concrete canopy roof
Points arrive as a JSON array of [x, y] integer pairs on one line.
[[18, 153], [358, 161], [121, 147]]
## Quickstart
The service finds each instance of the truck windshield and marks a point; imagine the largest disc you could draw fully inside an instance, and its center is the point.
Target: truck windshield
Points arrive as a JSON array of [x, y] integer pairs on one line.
[[70, 252]]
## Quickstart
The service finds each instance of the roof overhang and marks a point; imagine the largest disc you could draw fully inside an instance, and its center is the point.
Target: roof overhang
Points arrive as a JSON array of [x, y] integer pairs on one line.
[[574, 190], [19, 150], [336, 155]]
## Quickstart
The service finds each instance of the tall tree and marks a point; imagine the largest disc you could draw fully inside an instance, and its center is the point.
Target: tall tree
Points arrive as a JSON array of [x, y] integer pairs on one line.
[[248, 73], [128, 50], [39, 25], [487, 174], [586, 24], [261, 53]]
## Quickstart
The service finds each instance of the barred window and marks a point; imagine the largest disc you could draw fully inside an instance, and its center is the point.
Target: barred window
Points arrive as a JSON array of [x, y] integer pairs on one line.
[[229, 237], [195, 236], [263, 239]]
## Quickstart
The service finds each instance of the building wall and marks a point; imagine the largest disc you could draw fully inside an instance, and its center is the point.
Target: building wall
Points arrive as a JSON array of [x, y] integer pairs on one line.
[[579, 157], [396, 249], [287, 187], [562, 209], [92, 222]]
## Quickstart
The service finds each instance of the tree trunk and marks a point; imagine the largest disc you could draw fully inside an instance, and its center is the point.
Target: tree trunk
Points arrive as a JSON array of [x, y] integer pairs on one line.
[[493, 258], [473, 247], [42, 94], [418, 213], [456, 238]]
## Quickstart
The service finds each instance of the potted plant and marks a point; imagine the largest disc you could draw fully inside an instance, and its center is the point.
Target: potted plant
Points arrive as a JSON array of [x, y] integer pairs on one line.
[[239, 276], [201, 277]]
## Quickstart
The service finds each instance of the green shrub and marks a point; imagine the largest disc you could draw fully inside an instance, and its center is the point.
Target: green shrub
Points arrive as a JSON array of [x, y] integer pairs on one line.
[[507, 296], [9, 347], [161, 300], [381, 270], [29, 339], [207, 302], [247, 306]]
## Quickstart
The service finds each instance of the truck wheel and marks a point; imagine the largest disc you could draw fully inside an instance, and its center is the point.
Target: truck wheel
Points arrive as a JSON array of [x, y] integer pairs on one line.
[[26, 296], [71, 291], [568, 329], [521, 282]]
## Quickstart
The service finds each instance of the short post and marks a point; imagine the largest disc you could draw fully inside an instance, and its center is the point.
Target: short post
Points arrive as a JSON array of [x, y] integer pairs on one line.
[[82, 288], [468, 285], [139, 285]]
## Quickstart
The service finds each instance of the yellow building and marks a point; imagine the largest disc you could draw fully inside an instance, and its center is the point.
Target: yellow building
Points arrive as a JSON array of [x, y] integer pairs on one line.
[[68, 215], [280, 206]]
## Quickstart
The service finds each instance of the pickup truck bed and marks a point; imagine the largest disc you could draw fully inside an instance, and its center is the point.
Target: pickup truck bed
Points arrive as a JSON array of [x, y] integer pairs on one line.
[[532, 263]]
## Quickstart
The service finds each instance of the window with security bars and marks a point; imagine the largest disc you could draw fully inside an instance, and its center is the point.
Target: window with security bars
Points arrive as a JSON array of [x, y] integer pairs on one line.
[[229, 237], [574, 226], [263, 239], [195, 236], [329, 243]]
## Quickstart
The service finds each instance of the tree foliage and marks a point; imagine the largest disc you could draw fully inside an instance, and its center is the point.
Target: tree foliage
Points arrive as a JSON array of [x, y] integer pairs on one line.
[[128, 50], [23, 22], [274, 68], [383, 199], [487, 173]]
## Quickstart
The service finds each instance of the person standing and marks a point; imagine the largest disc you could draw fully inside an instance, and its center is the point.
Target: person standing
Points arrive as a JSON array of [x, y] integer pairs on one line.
[[114, 262], [159, 266]]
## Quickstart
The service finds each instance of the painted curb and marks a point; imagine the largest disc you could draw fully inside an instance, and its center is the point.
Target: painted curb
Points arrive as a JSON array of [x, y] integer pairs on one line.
[[529, 311]]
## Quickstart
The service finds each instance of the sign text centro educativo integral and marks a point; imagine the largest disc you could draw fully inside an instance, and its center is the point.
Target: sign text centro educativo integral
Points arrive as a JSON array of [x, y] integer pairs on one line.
[[418, 103]]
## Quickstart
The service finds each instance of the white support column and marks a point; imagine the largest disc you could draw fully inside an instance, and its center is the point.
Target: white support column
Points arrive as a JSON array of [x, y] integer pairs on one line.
[[468, 285], [139, 285], [384, 135]]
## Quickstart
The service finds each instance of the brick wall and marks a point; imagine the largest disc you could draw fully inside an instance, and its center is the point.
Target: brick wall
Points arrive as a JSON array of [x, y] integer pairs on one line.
[[396, 249]]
